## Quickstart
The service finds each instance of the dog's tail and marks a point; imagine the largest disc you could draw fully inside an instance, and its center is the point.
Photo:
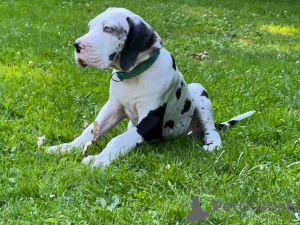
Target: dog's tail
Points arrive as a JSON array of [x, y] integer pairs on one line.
[[233, 121]]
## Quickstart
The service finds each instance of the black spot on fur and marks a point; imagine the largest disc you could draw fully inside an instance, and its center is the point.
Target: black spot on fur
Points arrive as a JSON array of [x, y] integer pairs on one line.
[[178, 93], [182, 84], [112, 56], [150, 128], [204, 93], [223, 126], [174, 64], [220, 126], [187, 106], [232, 122], [169, 124], [139, 39]]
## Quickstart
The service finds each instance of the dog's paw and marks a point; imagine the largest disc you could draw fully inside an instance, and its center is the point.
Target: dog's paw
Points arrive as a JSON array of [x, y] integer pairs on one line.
[[212, 146], [96, 161], [59, 148], [88, 159]]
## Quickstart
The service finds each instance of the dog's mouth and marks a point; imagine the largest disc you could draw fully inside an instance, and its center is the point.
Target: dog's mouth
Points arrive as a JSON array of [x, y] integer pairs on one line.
[[81, 63], [94, 62]]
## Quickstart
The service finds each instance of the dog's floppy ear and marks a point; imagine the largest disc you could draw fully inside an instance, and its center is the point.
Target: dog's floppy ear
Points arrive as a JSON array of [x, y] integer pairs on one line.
[[140, 38]]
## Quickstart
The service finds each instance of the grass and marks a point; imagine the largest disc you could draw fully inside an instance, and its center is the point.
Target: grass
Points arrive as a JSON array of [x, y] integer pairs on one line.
[[254, 65]]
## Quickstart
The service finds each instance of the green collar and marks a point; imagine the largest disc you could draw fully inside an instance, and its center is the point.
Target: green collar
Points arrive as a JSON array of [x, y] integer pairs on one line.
[[142, 67]]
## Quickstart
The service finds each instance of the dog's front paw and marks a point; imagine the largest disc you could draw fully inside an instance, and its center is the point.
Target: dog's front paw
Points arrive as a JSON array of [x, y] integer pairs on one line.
[[59, 148], [96, 161], [88, 159], [212, 146]]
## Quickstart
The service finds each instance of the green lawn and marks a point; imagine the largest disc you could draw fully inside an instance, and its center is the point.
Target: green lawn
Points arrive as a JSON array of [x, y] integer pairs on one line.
[[254, 64]]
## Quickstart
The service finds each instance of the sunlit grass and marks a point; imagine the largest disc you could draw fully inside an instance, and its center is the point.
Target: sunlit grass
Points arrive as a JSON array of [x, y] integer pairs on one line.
[[281, 29]]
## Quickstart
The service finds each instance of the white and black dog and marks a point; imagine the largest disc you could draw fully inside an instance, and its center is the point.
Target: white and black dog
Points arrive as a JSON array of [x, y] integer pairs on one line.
[[146, 87]]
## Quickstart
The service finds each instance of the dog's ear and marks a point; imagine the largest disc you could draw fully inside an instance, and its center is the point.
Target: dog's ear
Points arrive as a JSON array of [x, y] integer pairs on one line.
[[140, 39]]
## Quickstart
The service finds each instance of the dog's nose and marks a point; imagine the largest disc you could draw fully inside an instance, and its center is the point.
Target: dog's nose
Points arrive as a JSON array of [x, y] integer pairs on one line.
[[78, 46]]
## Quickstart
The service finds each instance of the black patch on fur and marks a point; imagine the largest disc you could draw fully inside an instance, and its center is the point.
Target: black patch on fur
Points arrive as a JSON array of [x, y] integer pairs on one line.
[[170, 124], [204, 93], [150, 128], [187, 106], [182, 84], [139, 39], [174, 64], [112, 56], [232, 122], [178, 93], [222, 126]]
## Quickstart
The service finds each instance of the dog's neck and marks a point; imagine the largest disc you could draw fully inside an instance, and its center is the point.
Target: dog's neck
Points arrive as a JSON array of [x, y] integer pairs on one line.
[[142, 57]]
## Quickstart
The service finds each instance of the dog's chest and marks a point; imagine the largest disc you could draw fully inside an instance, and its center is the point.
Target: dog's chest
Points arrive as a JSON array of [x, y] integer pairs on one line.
[[158, 102]]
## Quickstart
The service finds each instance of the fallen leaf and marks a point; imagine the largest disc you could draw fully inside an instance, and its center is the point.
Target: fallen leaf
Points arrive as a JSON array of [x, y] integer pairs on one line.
[[41, 141], [86, 147], [202, 55], [95, 131], [85, 124]]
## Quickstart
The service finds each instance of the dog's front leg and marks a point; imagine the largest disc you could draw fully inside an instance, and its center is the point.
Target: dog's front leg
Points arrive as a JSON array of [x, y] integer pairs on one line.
[[118, 146], [148, 128], [108, 117]]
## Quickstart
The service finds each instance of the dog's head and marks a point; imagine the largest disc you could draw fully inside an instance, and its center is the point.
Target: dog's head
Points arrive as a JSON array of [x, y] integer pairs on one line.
[[117, 38]]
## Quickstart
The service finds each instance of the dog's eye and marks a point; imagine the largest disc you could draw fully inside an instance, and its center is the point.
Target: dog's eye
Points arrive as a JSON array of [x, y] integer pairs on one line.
[[108, 29]]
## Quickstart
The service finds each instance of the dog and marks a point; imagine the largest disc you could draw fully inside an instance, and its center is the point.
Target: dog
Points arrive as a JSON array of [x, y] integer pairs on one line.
[[146, 87]]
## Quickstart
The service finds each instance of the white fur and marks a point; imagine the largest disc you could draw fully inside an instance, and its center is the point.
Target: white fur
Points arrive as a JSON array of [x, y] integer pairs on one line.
[[137, 97]]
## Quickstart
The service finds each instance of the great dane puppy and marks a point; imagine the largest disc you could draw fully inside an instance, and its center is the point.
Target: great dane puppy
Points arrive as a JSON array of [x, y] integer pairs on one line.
[[146, 87]]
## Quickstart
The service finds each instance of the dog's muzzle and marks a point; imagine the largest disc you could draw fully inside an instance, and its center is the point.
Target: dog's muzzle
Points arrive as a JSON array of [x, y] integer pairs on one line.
[[78, 46]]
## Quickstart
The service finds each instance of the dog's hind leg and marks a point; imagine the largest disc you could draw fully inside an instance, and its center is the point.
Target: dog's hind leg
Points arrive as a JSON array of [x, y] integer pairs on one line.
[[202, 123]]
